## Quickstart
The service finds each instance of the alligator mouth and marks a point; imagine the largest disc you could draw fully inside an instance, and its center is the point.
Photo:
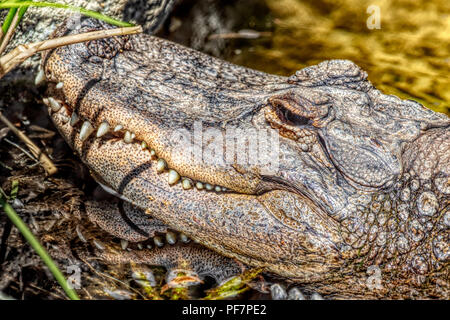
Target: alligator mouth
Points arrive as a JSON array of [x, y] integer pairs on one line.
[[105, 132], [221, 220], [84, 131], [284, 223]]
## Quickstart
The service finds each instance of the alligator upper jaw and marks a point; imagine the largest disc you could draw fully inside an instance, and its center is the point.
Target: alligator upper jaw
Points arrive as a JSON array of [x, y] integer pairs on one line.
[[296, 172], [237, 225]]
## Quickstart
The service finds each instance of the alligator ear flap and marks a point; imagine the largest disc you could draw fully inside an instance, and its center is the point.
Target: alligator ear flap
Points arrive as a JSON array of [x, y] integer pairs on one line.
[[361, 158], [333, 73]]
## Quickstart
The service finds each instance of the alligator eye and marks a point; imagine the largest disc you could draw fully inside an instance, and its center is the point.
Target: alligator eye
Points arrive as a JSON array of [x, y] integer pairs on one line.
[[294, 119]]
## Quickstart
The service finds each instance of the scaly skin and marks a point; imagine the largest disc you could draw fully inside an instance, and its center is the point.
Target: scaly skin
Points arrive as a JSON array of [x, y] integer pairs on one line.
[[362, 177]]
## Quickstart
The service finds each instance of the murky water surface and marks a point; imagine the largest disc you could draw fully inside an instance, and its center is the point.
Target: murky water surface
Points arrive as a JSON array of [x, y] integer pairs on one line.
[[408, 56]]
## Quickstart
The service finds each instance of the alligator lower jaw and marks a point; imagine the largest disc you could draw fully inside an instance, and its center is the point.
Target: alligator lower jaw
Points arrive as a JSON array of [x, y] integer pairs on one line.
[[223, 221]]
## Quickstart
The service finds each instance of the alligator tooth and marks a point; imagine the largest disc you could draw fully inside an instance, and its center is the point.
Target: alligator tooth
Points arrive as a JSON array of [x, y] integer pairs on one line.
[[128, 137], [102, 129], [86, 130], [199, 185], [295, 294], [186, 184], [184, 238], [153, 154], [316, 296], [140, 246], [161, 165], [143, 145], [173, 177], [158, 241], [74, 119], [208, 187], [99, 245], [118, 127], [123, 244], [171, 237], [40, 77], [59, 85], [55, 105], [278, 292], [145, 275], [217, 188], [149, 246]]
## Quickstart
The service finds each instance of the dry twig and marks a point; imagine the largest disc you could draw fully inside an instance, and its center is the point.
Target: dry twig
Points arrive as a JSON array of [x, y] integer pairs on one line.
[[9, 34], [45, 161], [22, 52]]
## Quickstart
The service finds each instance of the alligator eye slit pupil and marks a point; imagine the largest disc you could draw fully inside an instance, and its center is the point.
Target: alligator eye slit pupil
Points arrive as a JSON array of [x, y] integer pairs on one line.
[[280, 114], [292, 118]]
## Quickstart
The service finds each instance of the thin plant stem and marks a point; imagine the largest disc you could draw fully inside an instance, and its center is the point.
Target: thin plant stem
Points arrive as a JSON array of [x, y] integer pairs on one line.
[[23, 52], [28, 235], [89, 13], [9, 34], [8, 19], [45, 161]]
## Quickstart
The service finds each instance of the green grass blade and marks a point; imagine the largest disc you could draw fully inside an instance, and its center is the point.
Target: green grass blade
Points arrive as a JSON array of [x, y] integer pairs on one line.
[[14, 189], [8, 19], [21, 13], [10, 16], [89, 13], [28, 235]]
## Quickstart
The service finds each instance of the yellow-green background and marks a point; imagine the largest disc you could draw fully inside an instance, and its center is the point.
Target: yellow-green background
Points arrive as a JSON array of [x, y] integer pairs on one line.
[[408, 56]]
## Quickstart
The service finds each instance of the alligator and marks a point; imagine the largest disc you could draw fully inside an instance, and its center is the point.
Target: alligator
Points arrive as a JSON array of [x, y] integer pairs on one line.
[[312, 177]]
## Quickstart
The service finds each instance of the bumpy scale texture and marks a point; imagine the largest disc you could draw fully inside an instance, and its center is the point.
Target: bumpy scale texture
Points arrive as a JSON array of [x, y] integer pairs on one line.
[[362, 178]]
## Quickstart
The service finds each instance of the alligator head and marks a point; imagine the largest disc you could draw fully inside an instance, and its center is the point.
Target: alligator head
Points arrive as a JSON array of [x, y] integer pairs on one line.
[[306, 176]]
